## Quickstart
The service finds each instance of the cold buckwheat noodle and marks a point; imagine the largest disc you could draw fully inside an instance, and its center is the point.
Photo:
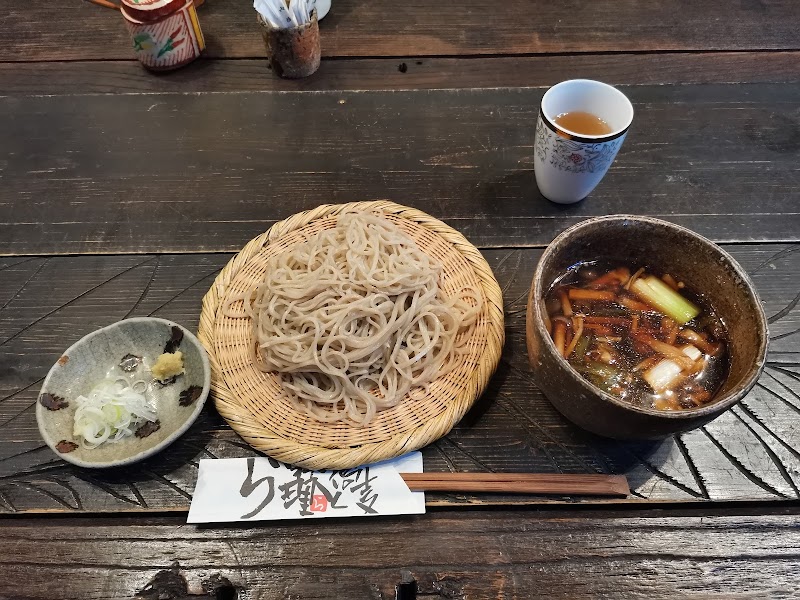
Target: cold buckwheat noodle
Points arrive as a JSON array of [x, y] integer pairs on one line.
[[353, 320]]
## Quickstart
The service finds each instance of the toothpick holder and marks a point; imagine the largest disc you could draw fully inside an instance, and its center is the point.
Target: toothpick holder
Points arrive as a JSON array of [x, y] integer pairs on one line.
[[295, 52]]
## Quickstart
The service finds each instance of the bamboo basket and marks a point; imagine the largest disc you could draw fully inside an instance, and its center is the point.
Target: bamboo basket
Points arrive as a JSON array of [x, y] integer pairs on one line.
[[254, 403]]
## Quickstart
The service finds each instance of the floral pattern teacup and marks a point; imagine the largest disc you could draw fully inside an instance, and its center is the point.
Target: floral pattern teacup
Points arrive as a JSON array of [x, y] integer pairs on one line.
[[569, 165]]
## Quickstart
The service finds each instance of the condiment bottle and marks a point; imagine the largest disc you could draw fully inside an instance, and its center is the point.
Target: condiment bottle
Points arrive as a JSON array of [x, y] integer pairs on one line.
[[166, 33]]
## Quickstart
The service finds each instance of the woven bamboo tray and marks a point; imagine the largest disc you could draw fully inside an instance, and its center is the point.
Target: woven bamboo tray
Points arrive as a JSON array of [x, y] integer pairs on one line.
[[254, 403]]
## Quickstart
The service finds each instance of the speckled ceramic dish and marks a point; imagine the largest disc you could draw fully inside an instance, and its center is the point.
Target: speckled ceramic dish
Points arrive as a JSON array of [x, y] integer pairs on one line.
[[704, 266], [97, 356]]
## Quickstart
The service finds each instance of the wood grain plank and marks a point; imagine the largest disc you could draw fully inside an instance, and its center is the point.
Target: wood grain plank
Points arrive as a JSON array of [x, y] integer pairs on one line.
[[751, 453], [402, 73], [77, 178], [383, 28], [449, 554]]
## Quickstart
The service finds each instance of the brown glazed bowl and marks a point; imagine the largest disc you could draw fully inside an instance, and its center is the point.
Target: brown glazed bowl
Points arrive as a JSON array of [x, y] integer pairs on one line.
[[703, 265]]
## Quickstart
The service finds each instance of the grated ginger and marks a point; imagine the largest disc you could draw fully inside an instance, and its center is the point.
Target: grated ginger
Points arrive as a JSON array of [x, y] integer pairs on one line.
[[167, 366]]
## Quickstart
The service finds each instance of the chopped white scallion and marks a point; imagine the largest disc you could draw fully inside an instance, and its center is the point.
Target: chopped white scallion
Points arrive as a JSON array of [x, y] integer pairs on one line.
[[691, 352], [111, 412], [663, 375]]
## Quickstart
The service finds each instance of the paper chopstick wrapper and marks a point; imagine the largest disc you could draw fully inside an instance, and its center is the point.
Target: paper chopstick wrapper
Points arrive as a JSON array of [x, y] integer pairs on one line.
[[263, 489]]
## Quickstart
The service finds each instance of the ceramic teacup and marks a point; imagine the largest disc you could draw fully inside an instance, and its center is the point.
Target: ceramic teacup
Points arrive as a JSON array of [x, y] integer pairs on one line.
[[570, 164]]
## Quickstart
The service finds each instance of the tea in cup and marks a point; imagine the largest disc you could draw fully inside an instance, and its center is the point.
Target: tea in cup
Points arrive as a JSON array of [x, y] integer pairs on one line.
[[581, 126]]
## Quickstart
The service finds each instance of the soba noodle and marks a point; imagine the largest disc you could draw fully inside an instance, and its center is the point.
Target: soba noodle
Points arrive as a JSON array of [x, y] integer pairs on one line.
[[353, 320]]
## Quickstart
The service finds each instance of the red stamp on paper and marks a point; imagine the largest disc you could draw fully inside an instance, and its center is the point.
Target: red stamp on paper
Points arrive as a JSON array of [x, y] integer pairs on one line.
[[319, 503]]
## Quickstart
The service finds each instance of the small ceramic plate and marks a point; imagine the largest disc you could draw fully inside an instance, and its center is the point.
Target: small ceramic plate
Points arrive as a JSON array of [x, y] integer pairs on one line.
[[98, 356]]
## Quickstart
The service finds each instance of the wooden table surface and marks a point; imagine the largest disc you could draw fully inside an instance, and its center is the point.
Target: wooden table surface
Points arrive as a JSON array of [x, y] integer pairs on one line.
[[123, 193]]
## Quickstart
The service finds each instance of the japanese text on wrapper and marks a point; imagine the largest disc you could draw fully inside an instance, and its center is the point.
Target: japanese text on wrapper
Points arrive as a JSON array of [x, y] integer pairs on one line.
[[311, 492]]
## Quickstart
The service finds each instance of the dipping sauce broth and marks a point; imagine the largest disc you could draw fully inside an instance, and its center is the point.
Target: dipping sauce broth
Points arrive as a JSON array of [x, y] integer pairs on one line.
[[640, 335]]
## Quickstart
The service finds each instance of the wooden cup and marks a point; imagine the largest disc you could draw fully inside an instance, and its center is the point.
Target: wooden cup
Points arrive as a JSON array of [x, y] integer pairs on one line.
[[294, 52]]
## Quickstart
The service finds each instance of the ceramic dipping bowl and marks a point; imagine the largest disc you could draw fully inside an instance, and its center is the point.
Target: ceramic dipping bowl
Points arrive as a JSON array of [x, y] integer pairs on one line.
[[705, 268], [98, 356]]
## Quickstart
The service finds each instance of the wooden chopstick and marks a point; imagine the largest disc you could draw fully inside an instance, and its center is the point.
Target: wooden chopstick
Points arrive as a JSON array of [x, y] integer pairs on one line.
[[519, 483]]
